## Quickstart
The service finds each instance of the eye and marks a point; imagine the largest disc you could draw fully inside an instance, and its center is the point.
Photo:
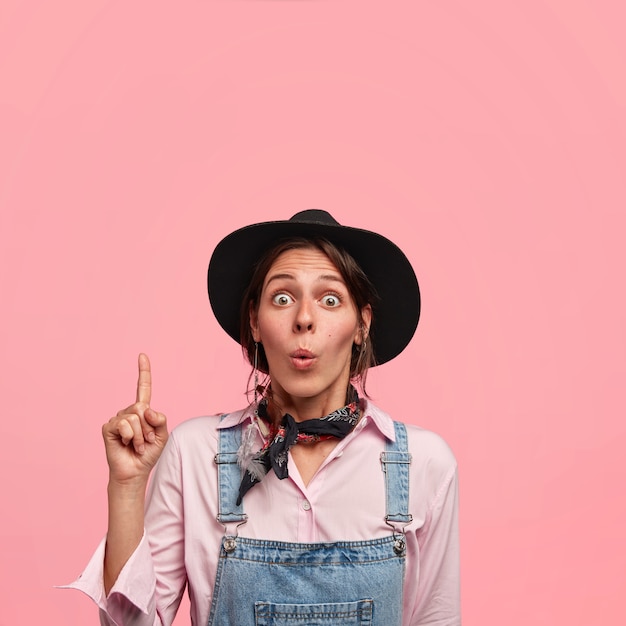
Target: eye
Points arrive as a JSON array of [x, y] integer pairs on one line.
[[331, 300], [282, 299]]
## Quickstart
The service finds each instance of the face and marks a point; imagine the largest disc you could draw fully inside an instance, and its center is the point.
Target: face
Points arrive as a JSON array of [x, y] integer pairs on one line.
[[308, 323]]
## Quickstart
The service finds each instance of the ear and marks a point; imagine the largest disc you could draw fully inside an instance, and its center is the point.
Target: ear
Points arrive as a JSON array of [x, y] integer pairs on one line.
[[364, 328], [254, 324]]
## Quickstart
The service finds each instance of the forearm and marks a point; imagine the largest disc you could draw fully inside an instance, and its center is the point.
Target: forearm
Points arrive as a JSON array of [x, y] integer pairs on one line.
[[126, 526]]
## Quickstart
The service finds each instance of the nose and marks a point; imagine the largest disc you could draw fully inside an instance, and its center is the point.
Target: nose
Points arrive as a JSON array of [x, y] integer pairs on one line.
[[304, 321]]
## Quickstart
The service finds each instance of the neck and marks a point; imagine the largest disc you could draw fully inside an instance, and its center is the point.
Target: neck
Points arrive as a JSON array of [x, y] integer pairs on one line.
[[302, 409]]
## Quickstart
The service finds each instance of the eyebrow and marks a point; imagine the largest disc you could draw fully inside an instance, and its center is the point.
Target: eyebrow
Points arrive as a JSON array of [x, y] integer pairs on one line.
[[321, 277]]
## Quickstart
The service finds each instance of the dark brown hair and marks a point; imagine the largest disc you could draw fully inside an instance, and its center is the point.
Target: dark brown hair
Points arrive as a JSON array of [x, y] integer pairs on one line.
[[359, 286]]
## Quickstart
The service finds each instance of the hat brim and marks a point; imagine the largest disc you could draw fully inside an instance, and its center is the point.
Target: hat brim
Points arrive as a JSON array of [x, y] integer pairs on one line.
[[394, 316]]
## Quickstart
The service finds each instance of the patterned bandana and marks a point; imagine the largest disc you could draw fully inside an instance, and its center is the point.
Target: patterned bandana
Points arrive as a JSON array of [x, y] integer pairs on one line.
[[273, 454]]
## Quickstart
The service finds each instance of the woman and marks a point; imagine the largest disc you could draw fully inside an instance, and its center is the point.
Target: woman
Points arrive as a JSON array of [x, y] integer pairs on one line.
[[310, 506]]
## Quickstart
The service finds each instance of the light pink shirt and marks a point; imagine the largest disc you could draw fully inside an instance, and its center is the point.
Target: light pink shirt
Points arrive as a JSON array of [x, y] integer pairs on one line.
[[345, 500]]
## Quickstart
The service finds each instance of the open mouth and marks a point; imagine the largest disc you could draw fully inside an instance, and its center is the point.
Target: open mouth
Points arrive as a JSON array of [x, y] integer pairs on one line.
[[302, 359]]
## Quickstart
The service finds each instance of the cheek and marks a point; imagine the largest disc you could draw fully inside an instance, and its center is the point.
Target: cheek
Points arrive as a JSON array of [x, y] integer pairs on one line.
[[267, 327], [344, 332]]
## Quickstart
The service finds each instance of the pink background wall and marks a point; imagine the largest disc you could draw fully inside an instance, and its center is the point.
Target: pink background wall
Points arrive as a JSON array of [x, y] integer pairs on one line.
[[486, 138]]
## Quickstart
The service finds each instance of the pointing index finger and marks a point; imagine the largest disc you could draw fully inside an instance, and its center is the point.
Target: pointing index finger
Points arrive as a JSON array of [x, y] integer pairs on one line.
[[144, 382]]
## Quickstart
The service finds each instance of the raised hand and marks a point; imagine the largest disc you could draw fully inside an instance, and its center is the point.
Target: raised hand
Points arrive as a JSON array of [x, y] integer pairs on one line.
[[135, 437]]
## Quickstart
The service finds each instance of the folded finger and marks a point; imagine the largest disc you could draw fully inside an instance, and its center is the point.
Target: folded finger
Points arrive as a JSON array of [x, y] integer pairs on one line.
[[131, 432]]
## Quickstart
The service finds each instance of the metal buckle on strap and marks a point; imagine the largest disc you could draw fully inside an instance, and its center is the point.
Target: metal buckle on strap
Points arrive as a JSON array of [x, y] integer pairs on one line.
[[229, 542], [399, 541]]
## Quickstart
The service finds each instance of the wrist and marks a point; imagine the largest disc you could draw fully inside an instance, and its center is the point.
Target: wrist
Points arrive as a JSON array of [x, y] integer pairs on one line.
[[127, 489]]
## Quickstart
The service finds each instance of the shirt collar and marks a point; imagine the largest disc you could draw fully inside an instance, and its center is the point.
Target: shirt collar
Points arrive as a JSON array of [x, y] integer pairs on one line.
[[380, 419]]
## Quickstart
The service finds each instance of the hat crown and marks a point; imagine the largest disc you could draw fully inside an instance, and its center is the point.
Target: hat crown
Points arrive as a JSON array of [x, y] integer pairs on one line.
[[314, 216]]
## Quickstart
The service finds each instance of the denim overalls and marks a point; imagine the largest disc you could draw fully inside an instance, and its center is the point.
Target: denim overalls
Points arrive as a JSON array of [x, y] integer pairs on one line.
[[275, 583]]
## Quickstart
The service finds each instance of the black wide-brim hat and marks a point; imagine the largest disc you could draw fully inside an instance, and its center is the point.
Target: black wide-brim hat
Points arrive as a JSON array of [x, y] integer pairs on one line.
[[394, 316]]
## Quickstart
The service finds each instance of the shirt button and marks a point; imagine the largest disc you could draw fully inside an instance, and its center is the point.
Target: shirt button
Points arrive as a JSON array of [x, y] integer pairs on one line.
[[306, 505]]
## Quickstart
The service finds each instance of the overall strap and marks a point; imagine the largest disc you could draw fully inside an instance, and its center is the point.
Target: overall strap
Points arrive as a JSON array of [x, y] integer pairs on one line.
[[229, 476], [395, 461]]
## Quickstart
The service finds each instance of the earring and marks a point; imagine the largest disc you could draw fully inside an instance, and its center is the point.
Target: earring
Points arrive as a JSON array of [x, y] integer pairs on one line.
[[255, 363]]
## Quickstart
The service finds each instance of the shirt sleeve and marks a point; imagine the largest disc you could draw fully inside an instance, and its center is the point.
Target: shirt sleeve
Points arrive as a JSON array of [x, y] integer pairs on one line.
[[438, 591], [150, 586]]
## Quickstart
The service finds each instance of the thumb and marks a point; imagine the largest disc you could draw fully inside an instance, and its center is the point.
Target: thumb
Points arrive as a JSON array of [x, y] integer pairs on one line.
[[158, 421]]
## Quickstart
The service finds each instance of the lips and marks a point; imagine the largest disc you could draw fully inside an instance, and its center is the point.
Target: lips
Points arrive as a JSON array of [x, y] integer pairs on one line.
[[302, 359]]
